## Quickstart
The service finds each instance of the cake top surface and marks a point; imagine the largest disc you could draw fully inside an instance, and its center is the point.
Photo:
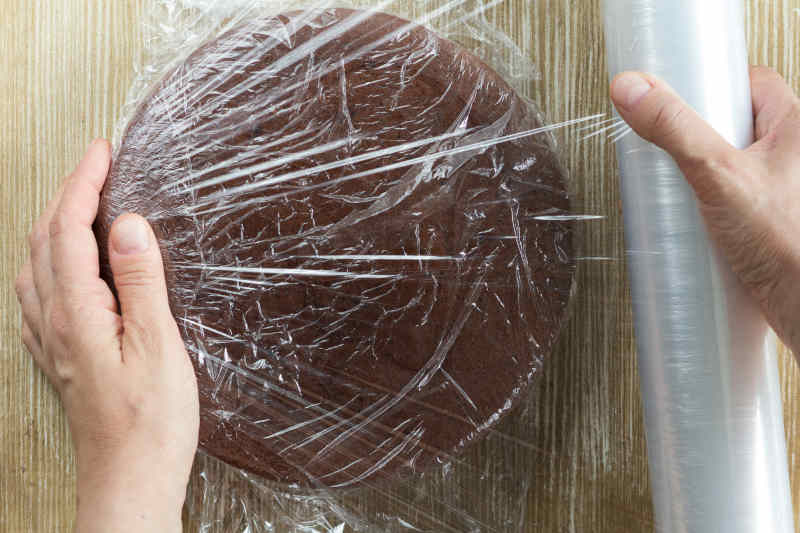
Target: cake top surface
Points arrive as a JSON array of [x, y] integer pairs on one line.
[[362, 237]]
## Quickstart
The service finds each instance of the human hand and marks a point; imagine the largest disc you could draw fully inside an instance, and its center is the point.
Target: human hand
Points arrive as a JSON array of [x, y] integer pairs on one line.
[[749, 198], [125, 380]]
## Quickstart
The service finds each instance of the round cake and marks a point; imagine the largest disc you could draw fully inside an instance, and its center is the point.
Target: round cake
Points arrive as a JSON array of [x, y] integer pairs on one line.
[[364, 241]]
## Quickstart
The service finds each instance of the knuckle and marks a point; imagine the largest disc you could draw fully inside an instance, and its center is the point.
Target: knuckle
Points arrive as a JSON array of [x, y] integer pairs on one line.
[[133, 410], [28, 339], [136, 275], [38, 235], [706, 164], [21, 285], [667, 121], [59, 224], [711, 174], [60, 323], [63, 372]]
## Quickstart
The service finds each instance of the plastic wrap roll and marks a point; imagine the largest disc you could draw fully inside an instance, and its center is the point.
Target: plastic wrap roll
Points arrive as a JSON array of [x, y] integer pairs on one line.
[[708, 371]]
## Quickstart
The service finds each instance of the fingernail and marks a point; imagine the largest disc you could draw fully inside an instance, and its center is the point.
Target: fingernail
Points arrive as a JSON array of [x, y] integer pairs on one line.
[[130, 236], [629, 89]]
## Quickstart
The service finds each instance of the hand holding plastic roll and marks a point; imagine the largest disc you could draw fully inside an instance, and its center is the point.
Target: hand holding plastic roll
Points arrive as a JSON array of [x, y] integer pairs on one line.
[[708, 373]]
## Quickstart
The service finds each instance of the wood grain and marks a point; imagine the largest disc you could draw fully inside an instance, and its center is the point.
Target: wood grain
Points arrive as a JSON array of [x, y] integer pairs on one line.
[[67, 66]]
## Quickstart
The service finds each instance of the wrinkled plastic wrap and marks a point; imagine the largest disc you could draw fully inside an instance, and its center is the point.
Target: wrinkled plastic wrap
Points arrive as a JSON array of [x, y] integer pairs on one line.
[[708, 370], [369, 248]]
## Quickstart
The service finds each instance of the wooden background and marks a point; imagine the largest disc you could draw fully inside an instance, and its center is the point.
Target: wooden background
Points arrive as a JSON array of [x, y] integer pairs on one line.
[[65, 67]]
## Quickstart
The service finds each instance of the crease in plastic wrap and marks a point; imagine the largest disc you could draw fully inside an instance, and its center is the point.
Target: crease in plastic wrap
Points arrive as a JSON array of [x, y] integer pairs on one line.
[[369, 247]]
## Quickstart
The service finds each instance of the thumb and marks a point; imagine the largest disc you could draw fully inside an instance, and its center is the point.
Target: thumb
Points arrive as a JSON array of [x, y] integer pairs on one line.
[[138, 273], [659, 115]]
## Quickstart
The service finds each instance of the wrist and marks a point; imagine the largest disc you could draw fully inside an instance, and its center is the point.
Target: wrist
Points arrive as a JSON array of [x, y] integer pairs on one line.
[[132, 494]]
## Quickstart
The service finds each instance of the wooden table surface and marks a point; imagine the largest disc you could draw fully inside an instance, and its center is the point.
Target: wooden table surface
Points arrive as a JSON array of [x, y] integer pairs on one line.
[[66, 66]]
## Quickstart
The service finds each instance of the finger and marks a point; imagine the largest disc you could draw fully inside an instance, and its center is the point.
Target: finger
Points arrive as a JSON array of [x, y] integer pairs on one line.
[[773, 100], [29, 299], [34, 347], [138, 274], [39, 243], [73, 247], [659, 115]]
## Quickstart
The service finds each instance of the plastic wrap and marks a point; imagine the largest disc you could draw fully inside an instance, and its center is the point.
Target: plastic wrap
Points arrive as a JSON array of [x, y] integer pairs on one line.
[[369, 249], [708, 369]]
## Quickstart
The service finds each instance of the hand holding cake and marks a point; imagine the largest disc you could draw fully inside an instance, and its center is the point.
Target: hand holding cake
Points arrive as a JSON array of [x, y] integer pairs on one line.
[[118, 364]]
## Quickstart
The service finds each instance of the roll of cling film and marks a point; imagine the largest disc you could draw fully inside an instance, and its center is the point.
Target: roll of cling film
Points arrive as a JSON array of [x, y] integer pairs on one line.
[[707, 360]]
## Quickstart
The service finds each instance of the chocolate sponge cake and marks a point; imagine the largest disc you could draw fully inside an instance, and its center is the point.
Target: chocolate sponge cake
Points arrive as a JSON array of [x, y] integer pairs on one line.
[[362, 241]]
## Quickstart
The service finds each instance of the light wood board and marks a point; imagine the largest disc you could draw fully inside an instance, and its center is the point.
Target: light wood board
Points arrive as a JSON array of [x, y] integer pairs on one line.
[[65, 68]]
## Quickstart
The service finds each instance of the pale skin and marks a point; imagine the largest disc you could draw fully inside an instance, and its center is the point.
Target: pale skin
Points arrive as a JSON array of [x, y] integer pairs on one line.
[[119, 365], [126, 381]]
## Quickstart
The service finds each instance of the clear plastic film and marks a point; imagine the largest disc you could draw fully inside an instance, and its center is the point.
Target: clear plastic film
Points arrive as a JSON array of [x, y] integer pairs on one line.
[[707, 364], [369, 245]]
